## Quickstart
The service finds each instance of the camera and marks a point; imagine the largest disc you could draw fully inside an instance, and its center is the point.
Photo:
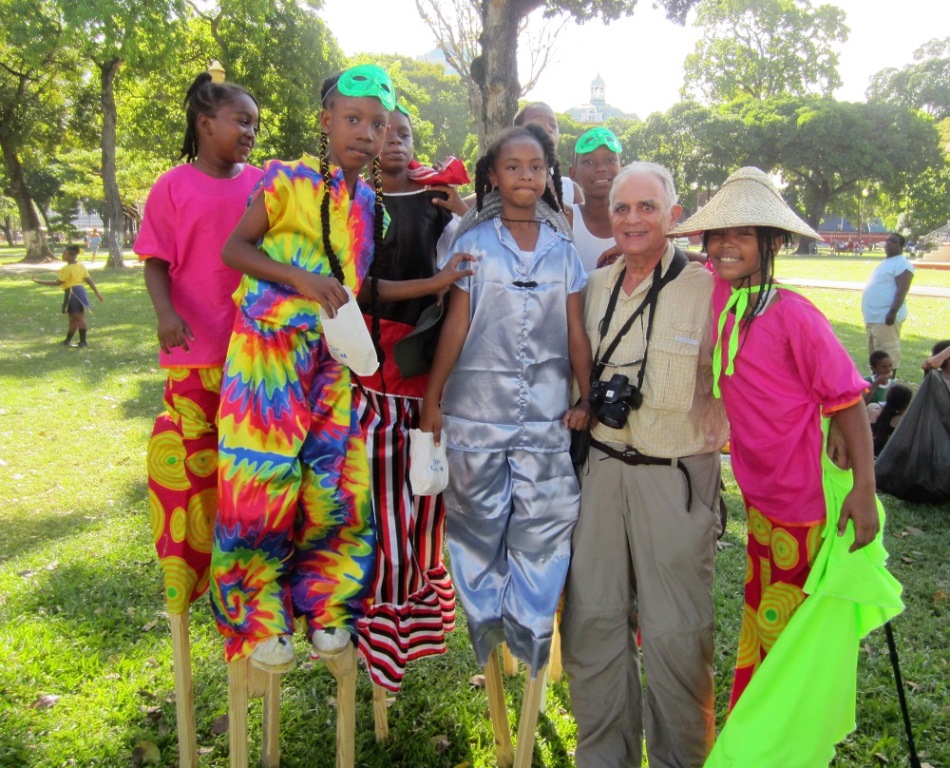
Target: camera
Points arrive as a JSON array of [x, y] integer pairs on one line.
[[613, 400]]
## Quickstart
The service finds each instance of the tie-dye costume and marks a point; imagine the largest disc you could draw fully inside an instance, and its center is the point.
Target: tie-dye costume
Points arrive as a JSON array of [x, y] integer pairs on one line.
[[294, 532], [790, 370], [188, 216]]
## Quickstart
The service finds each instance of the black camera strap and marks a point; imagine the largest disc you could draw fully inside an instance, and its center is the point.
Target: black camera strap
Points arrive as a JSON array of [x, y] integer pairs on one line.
[[677, 263]]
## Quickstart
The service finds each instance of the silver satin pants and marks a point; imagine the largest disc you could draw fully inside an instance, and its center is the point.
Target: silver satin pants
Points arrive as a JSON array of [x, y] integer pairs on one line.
[[509, 519]]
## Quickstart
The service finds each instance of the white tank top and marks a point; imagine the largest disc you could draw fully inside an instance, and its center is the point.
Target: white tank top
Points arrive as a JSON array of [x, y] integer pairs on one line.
[[589, 246], [567, 192]]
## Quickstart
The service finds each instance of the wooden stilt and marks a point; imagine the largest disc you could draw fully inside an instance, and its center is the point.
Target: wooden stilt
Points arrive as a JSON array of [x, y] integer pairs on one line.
[[498, 712], [509, 662], [267, 685], [555, 671], [237, 711], [343, 667], [380, 713], [184, 692], [246, 682], [528, 723]]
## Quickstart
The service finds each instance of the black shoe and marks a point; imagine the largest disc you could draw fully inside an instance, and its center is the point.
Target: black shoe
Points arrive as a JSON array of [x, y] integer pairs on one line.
[[68, 344], [82, 344]]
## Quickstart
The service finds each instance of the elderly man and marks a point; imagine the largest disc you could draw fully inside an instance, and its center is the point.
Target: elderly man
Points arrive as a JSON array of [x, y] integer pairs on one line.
[[644, 546]]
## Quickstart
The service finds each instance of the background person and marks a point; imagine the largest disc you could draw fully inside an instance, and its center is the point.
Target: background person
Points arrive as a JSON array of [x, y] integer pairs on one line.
[[75, 300], [883, 301]]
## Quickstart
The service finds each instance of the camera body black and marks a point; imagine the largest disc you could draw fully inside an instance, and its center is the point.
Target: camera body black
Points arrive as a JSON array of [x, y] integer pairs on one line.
[[613, 400]]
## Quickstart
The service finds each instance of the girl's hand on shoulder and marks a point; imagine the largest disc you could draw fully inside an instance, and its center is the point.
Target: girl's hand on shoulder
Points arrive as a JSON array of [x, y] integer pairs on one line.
[[430, 420], [173, 331], [609, 256], [323, 289], [577, 417], [860, 507], [453, 203], [453, 272]]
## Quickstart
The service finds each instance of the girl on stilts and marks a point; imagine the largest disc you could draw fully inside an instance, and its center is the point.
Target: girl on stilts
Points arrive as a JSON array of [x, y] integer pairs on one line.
[[414, 605], [500, 387], [782, 375]]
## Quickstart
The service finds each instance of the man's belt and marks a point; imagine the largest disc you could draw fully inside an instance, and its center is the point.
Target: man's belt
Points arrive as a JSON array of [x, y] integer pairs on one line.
[[634, 458]]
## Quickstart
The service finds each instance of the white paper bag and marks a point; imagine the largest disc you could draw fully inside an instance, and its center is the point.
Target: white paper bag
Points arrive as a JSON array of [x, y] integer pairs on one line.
[[348, 338], [428, 467]]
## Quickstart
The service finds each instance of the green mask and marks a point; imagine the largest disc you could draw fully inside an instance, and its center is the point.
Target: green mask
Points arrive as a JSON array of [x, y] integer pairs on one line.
[[368, 80], [597, 137]]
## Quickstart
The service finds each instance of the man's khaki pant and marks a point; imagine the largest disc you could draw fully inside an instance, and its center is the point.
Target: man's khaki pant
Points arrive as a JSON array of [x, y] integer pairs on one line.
[[886, 338], [638, 550]]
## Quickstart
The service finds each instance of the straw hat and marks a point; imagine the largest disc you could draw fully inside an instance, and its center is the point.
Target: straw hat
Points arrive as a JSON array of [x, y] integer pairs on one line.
[[748, 198]]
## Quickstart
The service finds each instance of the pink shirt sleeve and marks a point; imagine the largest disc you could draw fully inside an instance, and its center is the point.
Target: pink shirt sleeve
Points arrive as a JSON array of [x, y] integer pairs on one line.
[[157, 236]]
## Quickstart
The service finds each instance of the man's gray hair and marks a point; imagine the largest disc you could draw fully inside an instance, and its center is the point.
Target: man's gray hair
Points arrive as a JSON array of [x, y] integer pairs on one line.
[[654, 169]]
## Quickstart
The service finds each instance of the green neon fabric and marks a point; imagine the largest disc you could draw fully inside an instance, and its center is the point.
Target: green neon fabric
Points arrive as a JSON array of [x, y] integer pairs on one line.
[[801, 701], [368, 80], [597, 137]]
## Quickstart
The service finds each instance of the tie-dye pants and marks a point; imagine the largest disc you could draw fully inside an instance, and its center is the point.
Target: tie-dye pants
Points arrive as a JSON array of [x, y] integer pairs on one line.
[[182, 461], [294, 531]]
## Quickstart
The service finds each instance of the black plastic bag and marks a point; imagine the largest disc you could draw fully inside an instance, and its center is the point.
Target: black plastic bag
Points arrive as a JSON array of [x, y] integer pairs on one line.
[[915, 462]]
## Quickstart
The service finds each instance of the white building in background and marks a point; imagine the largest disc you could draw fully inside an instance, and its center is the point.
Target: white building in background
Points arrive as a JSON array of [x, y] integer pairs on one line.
[[86, 220], [597, 110]]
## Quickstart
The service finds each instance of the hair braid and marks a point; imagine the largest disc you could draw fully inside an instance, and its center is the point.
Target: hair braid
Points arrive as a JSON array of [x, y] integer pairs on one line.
[[335, 266], [482, 184], [378, 216]]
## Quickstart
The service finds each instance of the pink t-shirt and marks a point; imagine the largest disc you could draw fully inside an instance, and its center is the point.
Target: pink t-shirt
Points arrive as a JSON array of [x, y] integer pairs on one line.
[[789, 370], [188, 216]]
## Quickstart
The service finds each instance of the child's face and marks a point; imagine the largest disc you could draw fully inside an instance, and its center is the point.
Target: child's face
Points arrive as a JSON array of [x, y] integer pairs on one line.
[[69, 256], [594, 172], [883, 367], [357, 128], [520, 173], [397, 149], [229, 136], [544, 116], [734, 252]]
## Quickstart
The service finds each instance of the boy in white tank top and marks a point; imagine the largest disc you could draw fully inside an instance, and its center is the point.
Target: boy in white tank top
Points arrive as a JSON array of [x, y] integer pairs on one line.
[[595, 164]]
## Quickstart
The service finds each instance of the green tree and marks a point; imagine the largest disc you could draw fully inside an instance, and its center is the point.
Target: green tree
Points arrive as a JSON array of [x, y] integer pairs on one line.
[[925, 84], [762, 48], [281, 51], [827, 149], [698, 144], [137, 34], [35, 67]]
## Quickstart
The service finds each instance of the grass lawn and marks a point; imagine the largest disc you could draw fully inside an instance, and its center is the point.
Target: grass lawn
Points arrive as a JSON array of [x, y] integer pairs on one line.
[[85, 657]]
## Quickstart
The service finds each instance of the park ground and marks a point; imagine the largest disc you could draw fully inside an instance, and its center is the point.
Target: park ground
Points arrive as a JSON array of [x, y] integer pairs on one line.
[[85, 657]]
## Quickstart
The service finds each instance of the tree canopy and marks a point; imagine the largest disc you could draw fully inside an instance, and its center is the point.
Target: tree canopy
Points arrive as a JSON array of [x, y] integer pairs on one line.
[[762, 48], [924, 85]]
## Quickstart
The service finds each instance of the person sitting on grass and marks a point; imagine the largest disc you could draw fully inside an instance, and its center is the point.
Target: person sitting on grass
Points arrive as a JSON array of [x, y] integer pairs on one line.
[[75, 299], [882, 376]]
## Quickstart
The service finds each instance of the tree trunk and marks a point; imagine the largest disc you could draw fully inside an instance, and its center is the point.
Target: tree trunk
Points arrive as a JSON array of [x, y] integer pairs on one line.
[[7, 227], [816, 212], [499, 65], [34, 238], [114, 223]]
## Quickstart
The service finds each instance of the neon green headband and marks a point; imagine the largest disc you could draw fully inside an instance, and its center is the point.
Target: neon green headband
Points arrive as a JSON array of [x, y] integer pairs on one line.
[[368, 80], [597, 137]]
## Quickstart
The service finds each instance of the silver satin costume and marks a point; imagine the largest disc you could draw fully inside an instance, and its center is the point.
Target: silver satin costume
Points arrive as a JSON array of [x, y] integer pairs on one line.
[[513, 498]]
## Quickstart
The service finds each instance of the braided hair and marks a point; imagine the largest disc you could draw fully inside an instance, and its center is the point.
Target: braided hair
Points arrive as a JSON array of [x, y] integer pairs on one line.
[[378, 216], [487, 161], [204, 97]]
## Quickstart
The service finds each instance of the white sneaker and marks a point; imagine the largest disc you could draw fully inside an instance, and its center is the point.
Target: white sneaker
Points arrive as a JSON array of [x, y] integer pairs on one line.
[[330, 642], [275, 655]]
